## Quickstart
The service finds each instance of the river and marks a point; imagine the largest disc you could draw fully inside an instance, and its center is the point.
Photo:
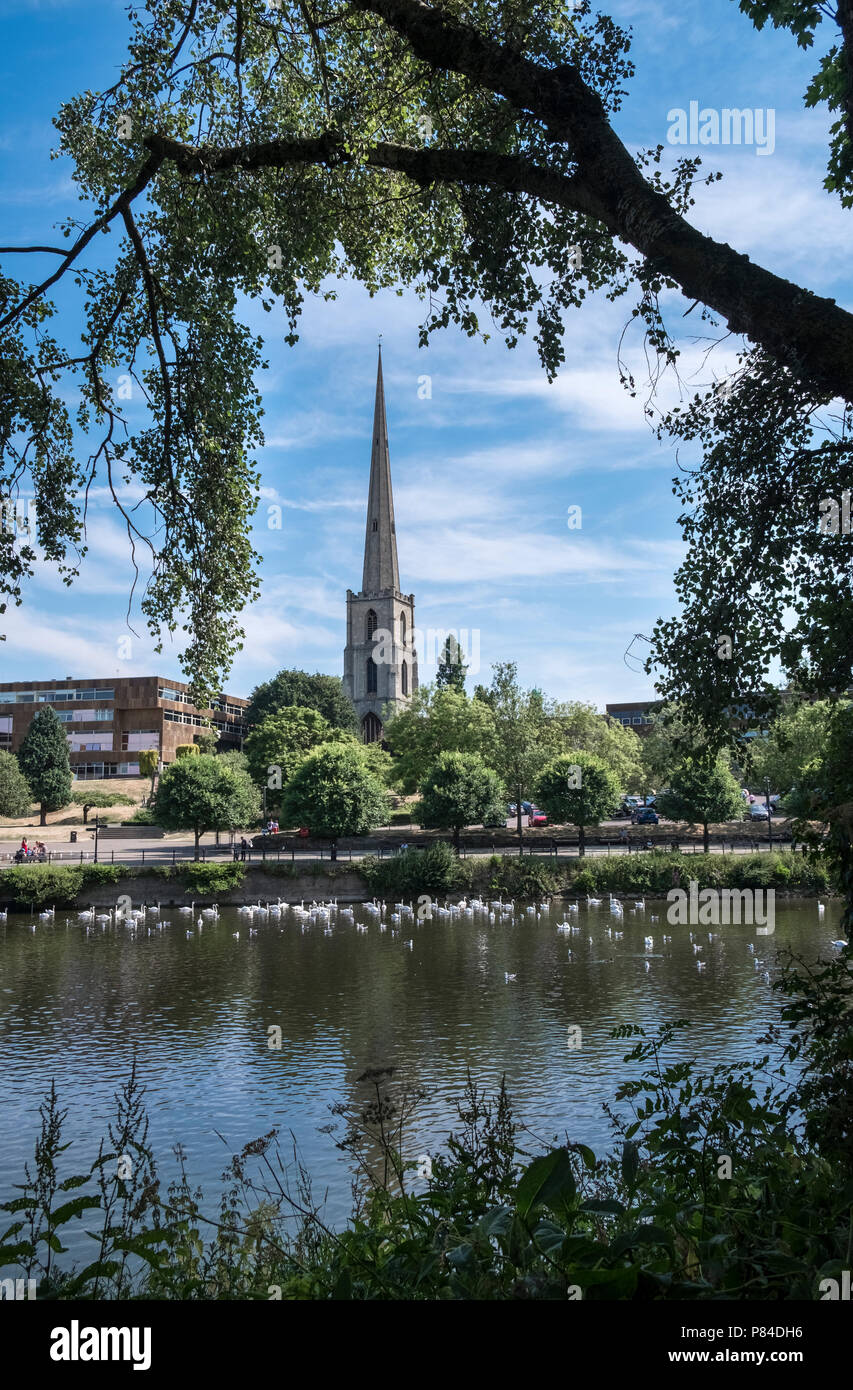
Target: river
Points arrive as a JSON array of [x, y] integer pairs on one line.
[[430, 998]]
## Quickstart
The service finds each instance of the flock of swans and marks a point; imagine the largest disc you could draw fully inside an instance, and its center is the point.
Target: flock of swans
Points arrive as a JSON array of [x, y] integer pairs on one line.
[[327, 916]]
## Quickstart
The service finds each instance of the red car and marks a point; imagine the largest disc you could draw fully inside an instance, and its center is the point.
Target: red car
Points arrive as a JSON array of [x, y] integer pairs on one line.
[[538, 817]]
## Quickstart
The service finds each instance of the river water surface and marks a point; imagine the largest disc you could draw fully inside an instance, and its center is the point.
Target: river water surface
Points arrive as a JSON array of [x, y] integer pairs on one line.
[[431, 998]]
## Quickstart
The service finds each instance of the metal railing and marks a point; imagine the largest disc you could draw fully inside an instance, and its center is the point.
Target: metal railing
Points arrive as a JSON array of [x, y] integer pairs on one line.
[[293, 850]]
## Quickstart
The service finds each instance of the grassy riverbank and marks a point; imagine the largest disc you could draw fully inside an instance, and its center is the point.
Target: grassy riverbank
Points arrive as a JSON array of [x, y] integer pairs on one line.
[[438, 871], [435, 872]]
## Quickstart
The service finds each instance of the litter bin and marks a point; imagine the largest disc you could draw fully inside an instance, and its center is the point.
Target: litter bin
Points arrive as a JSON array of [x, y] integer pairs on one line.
[[73, 837]]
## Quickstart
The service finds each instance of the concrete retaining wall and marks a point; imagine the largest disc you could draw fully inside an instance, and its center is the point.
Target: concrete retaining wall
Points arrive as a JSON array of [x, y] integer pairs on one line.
[[256, 887]]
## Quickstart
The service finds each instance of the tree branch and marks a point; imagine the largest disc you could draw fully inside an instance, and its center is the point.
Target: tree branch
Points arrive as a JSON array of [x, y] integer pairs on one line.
[[810, 335], [121, 205], [512, 173]]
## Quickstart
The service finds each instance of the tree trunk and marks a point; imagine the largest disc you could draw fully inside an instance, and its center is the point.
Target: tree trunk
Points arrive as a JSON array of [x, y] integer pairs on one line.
[[42, 814], [197, 834], [581, 842], [86, 810], [456, 833], [705, 837]]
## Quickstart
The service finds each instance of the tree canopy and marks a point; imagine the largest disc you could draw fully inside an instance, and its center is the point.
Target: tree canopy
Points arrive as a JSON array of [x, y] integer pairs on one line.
[[582, 728], [325, 694], [249, 151], [702, 793], [459, 790], [205, 793], [437, 721], [43, 759], [96, 799], [523, 733], [334, 793], [578, 789], [15, 794], [276, 746], [795, 739], [452, 668]]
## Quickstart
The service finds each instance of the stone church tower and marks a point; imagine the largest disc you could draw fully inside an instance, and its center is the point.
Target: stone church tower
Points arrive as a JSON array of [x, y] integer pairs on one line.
[[380, 661]]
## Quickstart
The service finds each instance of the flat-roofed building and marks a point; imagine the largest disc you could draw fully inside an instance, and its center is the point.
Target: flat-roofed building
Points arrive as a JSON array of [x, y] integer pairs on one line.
[[108, 721], [634, 714]]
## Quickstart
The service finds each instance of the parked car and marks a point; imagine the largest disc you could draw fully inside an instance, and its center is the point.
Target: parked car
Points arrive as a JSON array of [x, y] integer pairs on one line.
[[526, 808], [538, 817], [758, 811], [645, 815], [633, 802]]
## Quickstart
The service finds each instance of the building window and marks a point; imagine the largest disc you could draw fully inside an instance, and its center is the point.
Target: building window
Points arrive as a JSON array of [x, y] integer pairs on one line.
[[138, 740], [404, 679], [372, 623], [371, 677], [371, 728], [403, 629], [376, 526]]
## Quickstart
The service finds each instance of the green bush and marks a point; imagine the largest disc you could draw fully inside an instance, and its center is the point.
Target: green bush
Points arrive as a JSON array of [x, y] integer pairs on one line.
[[41, 885], [520, 876], [206, 879], [56, 885], [655, 872], [141, 816], [96, 874], [436, 870]]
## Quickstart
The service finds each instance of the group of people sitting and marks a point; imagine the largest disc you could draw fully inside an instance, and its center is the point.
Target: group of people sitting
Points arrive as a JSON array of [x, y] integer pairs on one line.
[[271, 827], [31, 853]]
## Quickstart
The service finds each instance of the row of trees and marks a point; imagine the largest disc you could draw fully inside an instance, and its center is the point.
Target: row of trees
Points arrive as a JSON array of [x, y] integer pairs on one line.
[[463, 756]]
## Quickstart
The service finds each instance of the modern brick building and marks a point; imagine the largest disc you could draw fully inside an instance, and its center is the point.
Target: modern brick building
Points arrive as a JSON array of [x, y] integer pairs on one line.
[[111, 720]]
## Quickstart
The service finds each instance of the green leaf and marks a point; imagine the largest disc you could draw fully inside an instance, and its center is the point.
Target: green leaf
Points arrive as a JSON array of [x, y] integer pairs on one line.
[[605, 1204], [76, 1207], [548, 1182]]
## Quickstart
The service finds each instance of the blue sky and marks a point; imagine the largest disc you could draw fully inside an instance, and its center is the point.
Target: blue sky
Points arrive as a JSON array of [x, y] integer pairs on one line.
[[485, 470]]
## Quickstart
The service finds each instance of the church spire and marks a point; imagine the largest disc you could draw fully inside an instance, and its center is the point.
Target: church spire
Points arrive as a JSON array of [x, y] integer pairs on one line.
[[380, 541]]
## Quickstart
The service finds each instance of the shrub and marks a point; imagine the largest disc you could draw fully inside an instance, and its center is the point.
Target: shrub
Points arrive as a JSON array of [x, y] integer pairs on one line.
[[209, 878], [653, 873], [41, 884], [435, 870], [143, 815], [520, 877]]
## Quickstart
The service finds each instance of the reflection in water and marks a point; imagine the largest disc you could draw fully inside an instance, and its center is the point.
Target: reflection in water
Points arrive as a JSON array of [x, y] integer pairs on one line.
[[432, 999]]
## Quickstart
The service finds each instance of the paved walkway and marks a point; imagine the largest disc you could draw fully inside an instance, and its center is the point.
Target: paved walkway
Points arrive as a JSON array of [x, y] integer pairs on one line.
[[176, 849]]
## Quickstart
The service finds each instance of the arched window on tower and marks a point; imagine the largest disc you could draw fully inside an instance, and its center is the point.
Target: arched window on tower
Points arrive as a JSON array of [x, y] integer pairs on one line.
[[375, 524], [371, 676], [371, 728], [403, 629], [372, 623], [404, 679]]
